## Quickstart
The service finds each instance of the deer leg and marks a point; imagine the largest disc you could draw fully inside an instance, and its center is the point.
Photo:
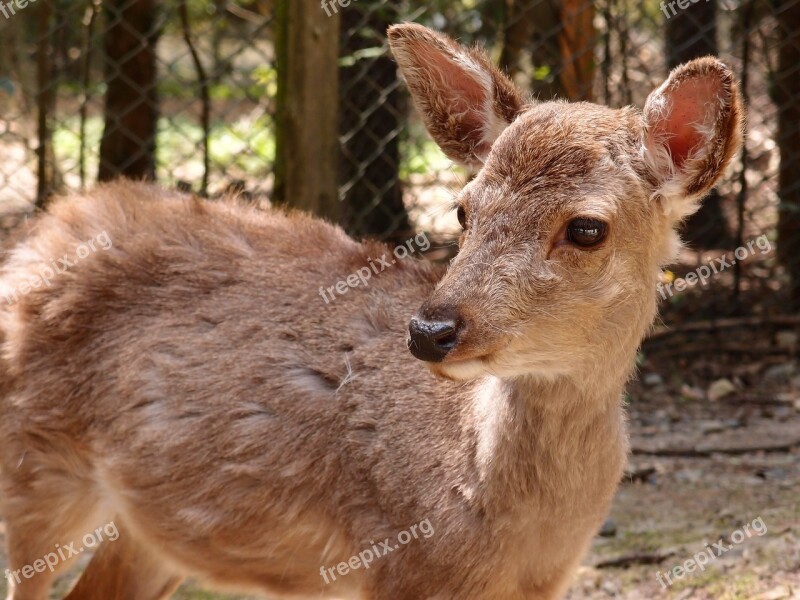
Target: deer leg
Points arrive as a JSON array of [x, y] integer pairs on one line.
[[123, 569], [44, 526]]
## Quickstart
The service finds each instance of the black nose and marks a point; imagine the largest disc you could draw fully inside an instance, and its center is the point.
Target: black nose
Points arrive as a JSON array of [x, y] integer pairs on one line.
[[431, 340]]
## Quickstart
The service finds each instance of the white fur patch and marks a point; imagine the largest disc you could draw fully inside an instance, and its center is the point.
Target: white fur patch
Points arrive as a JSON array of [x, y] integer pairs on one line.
[[491, 415]]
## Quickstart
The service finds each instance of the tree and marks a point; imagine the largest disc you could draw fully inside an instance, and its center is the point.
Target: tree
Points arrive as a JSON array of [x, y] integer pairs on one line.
[[131, 102], [307, 47], [560, 36], [787, 97]]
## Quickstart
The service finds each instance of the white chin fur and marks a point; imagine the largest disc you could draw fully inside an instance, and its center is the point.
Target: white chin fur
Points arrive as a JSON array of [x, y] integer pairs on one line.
[[463, 370]]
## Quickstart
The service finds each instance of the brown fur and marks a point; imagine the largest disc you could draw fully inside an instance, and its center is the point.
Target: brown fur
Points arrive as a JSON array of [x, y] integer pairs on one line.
[[190, 383]]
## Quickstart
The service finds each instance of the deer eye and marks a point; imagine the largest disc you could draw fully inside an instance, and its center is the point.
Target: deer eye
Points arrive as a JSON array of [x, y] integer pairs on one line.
[[462, 217], [586, 232]]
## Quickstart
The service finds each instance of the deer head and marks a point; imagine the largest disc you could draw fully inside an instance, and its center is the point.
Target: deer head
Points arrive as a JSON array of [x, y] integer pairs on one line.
[[571, 215]]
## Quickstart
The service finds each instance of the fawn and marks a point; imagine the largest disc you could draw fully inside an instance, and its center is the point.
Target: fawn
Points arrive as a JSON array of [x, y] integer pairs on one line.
[[190, 385]]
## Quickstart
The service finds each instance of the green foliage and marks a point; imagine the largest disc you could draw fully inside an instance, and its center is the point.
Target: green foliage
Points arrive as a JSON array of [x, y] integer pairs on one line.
[[420, 156], [241, 146], [266, 81], [366, 53]]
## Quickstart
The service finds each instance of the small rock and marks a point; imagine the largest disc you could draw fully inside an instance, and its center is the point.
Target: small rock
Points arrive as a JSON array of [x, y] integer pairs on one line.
[[778, 593], [712, 426], [780, 373], [609, 588], [689, 475], [775, 473], [780, 412], [609, 528], [653, 380], [641, 474], [787, 340], [693, 393], [720, 389]]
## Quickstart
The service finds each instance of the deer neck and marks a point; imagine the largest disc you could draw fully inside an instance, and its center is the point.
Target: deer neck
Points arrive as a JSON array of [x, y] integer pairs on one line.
[[548, 439]]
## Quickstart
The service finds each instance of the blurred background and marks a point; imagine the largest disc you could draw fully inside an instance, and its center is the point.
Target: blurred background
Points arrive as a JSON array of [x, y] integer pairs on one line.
[[298, 103]]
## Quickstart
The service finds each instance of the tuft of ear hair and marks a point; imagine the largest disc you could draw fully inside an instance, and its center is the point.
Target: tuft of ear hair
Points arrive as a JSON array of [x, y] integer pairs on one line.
[[465, 101], [694, 127]]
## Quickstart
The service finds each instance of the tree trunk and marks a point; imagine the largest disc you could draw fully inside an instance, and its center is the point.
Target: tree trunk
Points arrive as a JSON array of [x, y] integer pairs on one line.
[[517, 36], [787, 96], [692, 33], [308, 85], [44, 101], [545, 16], [131, 103], [577, 41], [560, 35], [372, 113]]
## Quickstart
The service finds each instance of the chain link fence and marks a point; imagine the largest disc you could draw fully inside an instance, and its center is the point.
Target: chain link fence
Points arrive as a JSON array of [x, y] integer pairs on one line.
[[184, 92]]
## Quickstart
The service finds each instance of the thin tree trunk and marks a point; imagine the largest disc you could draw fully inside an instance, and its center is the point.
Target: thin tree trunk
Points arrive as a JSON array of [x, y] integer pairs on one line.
[[606, 64], [516, 38], [545, 15], [691, 33], [623, 31], [86, 78], [308, 85], [560, 36], [202, 82], [746, 18], [787, 95], [577, 41], [131, 105], [43, 102]]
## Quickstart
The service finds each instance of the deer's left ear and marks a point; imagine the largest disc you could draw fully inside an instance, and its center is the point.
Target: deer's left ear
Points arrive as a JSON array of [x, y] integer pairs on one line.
[[465, 101], [693, 128]]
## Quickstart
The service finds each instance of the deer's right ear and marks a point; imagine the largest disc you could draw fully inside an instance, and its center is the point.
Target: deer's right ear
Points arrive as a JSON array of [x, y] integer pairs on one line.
[[466, 101], [693, 129]]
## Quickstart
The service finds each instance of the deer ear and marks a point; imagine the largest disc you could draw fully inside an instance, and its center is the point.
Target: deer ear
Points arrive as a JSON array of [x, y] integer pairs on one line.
[[693, 128], [465, 101]]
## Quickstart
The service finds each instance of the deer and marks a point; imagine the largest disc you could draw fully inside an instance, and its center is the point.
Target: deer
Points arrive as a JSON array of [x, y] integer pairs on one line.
[[189, 385]]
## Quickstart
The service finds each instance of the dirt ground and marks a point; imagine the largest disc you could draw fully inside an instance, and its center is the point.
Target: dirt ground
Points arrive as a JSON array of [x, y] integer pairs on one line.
[[671, 507]]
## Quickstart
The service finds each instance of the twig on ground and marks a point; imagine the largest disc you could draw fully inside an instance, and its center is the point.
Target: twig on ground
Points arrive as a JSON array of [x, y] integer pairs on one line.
[[708, 452], [629, 560], [717, 324]]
